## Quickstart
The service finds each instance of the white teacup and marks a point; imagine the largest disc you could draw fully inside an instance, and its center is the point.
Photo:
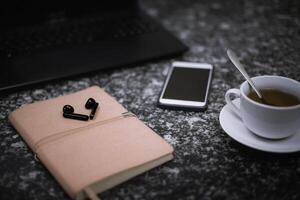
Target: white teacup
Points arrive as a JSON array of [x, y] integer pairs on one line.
[[267, 121]]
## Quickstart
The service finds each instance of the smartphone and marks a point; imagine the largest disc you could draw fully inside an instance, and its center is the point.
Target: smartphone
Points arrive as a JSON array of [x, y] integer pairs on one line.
[[187, 86]]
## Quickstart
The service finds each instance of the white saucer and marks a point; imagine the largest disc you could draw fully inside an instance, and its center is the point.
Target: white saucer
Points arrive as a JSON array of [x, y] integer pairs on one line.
[[235, 128]]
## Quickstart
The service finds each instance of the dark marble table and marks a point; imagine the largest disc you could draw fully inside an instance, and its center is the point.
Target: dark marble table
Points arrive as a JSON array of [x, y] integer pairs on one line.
[[208, 164]]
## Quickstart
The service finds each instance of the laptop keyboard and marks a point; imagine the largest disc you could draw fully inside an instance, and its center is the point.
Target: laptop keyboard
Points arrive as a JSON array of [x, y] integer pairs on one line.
[[66, 33]]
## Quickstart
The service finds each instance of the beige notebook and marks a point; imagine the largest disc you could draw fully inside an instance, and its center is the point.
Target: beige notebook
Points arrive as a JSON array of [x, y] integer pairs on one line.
[[88, 157]]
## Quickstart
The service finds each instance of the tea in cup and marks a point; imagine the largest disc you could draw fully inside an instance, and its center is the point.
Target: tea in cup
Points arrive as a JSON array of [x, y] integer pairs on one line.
[[275, 116]]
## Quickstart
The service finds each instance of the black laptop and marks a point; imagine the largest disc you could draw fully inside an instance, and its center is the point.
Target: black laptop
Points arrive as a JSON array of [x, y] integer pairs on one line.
[[49, 40]]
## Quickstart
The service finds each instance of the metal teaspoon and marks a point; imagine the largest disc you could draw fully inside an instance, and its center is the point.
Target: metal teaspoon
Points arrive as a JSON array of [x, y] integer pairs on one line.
[[241, 68]]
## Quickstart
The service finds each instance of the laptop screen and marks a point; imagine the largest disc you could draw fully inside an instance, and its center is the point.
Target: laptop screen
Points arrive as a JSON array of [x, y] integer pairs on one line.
[[18, 12]]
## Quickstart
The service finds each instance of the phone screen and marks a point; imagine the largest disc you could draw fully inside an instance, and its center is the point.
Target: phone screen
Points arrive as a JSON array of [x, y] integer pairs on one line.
[[188, 84]]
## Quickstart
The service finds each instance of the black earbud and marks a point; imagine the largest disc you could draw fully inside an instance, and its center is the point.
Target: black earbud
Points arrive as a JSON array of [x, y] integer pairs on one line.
[[68, 112], [92, 104]]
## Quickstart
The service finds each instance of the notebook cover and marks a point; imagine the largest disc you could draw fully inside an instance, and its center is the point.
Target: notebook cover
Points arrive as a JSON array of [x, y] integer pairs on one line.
[[90, 153]]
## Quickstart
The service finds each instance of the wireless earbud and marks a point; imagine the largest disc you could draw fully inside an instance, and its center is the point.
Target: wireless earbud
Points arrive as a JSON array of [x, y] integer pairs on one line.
[[92, 104], [68, 112]]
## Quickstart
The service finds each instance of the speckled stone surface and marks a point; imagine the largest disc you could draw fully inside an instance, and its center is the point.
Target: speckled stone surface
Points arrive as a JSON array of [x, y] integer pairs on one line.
[[208, 164]]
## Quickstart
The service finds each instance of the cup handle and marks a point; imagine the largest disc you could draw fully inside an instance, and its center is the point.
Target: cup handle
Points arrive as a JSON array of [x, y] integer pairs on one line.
[[233, 92]]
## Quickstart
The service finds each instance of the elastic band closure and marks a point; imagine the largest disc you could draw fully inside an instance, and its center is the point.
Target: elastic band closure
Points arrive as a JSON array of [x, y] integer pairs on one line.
[[90, 193], [62, 134]]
